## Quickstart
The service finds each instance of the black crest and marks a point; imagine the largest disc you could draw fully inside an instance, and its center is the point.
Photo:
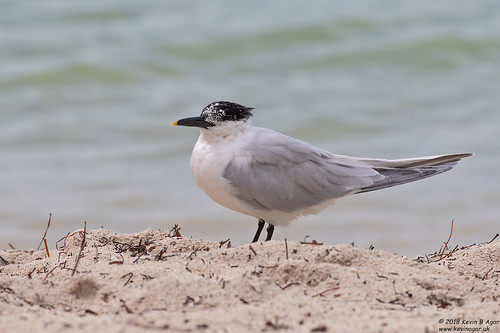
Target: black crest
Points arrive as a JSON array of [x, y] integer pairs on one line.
[[217, 112]]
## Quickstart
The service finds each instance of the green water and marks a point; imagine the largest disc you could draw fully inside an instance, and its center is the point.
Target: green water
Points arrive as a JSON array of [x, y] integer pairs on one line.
[[87, 90]]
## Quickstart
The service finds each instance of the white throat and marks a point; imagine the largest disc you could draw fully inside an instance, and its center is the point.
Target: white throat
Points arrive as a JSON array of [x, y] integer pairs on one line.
[[226, 131]]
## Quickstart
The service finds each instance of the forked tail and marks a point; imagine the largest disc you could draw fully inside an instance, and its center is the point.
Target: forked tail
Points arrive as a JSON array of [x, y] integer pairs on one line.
[[397, 172]]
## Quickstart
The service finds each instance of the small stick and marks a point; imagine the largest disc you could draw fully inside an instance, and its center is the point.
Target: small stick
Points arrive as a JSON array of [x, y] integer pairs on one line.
[[446, 244], [176, 230], [130, 275], [486, 274], [194, 253], [125, 306], [159, 255], [448, 254], [11, 246], [81, 248], [59, 256], [45, 234], [46, 247], [53, 269], [251, 248], [322, 294], [288, 285], [438, 252], [29, 274], [314, 242], [493, 239], [137, 259], [286, 248], [3, 261], [64, 244], [7, 290]]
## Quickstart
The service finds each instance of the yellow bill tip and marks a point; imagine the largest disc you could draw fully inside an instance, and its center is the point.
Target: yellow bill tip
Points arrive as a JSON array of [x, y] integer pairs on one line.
[[174, 123]]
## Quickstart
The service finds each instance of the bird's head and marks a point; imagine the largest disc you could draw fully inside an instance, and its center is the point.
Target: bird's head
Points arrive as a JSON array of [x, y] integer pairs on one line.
[[217, 113]]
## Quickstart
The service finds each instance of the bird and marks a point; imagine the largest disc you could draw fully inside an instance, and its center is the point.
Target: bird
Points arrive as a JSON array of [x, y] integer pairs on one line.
[[276, 178]]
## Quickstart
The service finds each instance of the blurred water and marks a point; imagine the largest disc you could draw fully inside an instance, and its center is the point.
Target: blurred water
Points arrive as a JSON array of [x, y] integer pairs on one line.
[[87, 90]]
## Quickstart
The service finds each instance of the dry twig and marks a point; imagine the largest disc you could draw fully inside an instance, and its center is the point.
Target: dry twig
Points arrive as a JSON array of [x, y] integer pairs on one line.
[[224, 242], [288, 285], [3, 261], [45, 234], [29, 274], [81, 248], [314, 242], [130, 275], [64, 243], [322, 294], [493, 239], [61, 265], [176, 231], [46, 248], [446, 244], [286, 248]]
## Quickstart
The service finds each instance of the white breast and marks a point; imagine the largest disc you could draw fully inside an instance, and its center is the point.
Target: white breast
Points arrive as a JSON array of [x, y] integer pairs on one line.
[[211, 154]]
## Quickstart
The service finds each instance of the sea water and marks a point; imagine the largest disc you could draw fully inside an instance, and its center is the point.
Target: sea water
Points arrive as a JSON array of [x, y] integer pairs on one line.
[[88, 90]]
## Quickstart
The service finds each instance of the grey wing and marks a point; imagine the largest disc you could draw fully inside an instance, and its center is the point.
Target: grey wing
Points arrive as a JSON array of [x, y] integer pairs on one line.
[[397, 172], [285, 174]]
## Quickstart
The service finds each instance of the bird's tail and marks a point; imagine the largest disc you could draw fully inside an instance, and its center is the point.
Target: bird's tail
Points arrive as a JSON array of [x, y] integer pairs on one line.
[[397, 172]]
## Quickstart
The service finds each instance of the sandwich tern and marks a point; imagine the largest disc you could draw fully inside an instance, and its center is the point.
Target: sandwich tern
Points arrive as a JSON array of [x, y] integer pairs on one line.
[[276, 178]]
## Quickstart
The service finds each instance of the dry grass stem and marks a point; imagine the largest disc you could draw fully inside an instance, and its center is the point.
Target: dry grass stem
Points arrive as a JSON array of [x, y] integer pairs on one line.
[[81, 248], [45, 234]]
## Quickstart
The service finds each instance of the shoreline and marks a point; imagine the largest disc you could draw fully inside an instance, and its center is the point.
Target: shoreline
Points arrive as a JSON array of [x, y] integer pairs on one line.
[[153, 280]]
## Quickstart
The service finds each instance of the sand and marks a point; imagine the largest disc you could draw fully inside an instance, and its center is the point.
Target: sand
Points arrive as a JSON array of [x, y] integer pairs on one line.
[[152, 281]]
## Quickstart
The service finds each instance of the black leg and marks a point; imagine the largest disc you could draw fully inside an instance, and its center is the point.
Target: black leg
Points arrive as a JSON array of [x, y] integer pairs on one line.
[[270, 230], [260, 226]]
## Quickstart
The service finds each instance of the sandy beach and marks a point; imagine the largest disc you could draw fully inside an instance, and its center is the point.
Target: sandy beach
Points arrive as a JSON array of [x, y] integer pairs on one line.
[[153, 280]]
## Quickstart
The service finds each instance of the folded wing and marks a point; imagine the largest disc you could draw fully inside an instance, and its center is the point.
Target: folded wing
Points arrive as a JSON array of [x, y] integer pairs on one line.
[[282, 173]]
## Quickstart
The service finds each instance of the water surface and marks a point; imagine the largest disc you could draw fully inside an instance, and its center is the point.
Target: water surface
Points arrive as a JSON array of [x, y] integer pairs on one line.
[[88, 90]]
